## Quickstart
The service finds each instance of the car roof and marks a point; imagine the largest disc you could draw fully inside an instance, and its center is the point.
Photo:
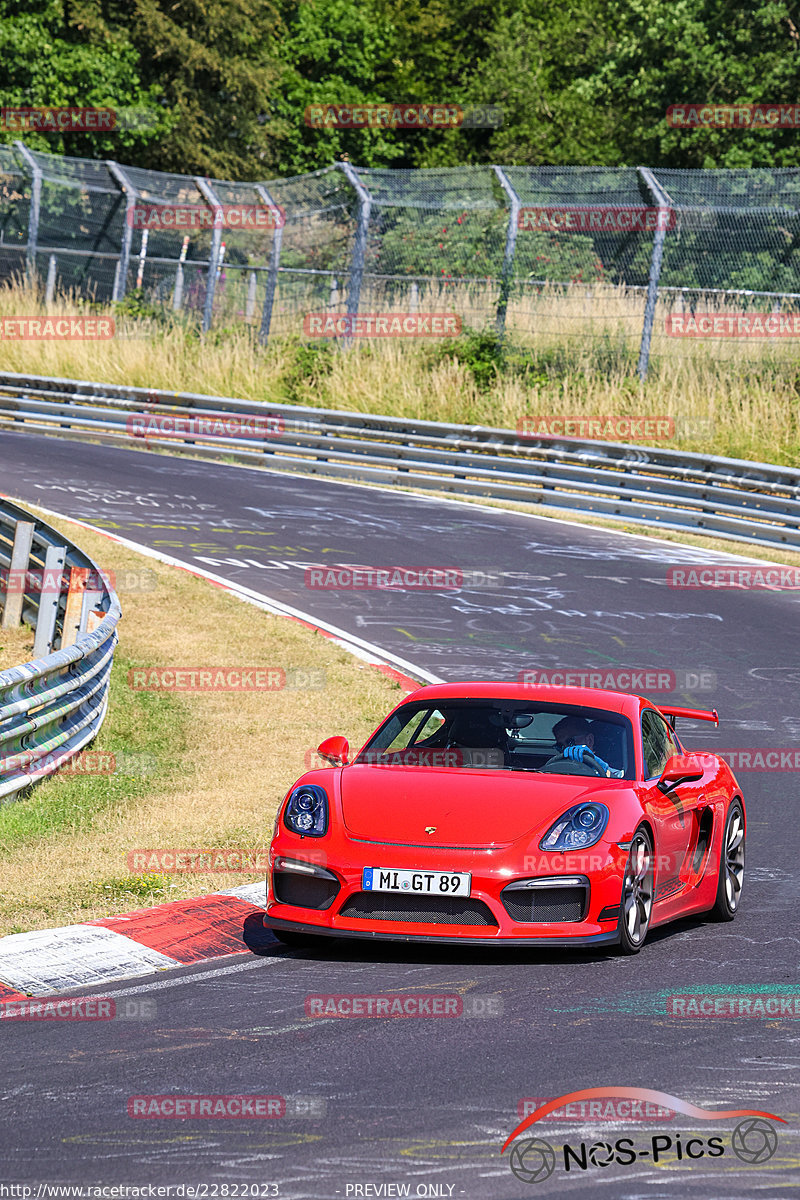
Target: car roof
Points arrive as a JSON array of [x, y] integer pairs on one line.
[[500, 689]]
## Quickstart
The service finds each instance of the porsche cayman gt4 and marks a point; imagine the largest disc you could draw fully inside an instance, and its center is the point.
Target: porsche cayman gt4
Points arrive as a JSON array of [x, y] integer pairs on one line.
[[501, 814]]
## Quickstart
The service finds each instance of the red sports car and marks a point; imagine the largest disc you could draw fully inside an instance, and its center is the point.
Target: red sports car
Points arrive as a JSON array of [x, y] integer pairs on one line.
[[504, 814]]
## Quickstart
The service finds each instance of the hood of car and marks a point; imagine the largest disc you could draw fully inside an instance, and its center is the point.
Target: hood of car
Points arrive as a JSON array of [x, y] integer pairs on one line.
[[456, 807]]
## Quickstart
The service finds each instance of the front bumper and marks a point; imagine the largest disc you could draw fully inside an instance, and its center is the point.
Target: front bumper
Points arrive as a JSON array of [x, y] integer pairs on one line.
[[494, 914], [379, 935]]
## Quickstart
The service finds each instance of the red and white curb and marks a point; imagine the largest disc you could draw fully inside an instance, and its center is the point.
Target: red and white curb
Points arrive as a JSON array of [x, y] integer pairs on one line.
[[49, 962]]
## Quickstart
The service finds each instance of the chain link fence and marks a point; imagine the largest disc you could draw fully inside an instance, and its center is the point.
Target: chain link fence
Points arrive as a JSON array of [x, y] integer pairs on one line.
[[626, 261]]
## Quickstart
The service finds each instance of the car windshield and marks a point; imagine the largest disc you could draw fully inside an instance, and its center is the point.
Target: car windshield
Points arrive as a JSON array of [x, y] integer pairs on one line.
[[504, 735]]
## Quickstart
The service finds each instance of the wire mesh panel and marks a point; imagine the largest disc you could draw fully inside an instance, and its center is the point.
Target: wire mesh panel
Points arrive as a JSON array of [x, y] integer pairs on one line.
[[734, 255], [321, 217], [583, 252], [435, 241], [558, 257], [81, 221], [15, 200]]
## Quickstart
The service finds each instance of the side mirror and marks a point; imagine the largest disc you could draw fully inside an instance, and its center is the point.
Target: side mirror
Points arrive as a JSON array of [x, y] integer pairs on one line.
[[679, 769], [335, 750]]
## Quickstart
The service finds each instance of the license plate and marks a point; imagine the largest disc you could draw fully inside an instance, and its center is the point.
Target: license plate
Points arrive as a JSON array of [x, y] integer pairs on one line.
[[425, 883]]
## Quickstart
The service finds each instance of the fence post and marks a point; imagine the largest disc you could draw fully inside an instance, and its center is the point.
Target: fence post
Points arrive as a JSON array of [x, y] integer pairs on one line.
[[360, 244], [49, 597], [142, 258], [210, 196], [250, 306], [177, 295], [272, 273], [664, 202], [131, 196], [508, 256], [33, 215], [50, 286], [17, 574]]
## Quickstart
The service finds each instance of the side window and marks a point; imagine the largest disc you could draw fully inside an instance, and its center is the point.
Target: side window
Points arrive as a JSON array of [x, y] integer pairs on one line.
[[658, 743], [435, 720]]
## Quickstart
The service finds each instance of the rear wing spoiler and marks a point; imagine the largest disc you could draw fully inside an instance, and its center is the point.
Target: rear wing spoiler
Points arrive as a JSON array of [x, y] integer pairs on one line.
[[692, 714]]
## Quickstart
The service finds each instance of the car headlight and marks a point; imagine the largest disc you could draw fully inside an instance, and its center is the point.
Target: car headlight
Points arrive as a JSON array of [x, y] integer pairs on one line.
[[307, 811], [579, 827]]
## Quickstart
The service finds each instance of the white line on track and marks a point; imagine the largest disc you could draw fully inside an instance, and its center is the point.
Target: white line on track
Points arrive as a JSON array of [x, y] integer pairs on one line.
[[175, 981], [367, 651]]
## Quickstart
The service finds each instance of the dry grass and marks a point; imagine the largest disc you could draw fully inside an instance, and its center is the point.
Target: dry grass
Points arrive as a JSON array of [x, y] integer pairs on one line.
[[574, 354], [223, 767], [16, 646]]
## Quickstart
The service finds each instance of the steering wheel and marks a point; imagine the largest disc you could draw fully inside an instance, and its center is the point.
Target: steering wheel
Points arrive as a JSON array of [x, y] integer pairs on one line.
[[582, 754]]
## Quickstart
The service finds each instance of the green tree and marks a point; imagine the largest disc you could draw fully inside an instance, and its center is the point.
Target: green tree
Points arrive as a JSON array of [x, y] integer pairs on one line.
[[50, 57]]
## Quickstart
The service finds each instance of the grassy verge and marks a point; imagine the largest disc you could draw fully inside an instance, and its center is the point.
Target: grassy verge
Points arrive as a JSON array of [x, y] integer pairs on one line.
[[740, 399], [194, 769], [16, 646]]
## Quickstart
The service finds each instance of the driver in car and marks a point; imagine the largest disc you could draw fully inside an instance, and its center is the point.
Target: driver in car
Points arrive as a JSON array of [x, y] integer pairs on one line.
[[575, 741]]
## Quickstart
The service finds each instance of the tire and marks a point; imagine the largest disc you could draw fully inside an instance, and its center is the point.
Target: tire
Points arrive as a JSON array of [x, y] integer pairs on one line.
[[636, 901], [731, 865], [299, 941]]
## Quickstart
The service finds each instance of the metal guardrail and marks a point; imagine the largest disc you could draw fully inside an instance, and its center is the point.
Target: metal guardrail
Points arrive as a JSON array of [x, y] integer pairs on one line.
[[53, 706], [729, 498]]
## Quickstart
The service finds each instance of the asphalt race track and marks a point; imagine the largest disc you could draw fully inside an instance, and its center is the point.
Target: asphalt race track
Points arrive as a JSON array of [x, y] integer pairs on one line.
[[422, 1107]]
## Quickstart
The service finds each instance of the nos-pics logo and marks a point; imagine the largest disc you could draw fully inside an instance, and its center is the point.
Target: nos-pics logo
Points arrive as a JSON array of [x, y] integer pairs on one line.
[[532, 1160]]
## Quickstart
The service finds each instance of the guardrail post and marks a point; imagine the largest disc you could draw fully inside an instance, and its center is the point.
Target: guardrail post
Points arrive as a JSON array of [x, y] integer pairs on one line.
[[360, 245], [73, 611], [664, 202], [508, 256], [272, 272], [35, 209], [49, 596], [211, 198], [17, 574], [131, 196]]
